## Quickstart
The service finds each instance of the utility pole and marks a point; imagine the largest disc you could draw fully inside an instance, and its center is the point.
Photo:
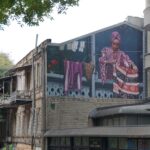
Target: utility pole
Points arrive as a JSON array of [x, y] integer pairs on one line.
[[43, 108], [33, 97]]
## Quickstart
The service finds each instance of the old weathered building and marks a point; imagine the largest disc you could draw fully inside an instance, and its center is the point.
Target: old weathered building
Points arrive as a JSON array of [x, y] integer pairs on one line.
[[91, 92], [20, 103]]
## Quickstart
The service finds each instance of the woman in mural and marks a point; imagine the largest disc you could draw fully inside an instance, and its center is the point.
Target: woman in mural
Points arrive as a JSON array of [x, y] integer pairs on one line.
[[117, 66]]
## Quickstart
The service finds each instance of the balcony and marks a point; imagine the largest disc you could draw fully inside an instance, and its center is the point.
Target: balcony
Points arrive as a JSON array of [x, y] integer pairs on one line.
[[17, 96], [23, 95]]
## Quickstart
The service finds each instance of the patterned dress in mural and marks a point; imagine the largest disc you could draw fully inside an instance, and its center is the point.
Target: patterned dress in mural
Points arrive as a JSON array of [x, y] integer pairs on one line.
[[117, 66]]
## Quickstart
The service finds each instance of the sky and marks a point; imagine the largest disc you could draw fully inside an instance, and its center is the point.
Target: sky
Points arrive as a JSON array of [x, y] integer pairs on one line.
[[89, 16]]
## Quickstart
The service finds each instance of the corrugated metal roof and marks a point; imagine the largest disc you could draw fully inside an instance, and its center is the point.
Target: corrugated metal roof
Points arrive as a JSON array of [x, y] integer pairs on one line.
[[142, 131], [134, 109]]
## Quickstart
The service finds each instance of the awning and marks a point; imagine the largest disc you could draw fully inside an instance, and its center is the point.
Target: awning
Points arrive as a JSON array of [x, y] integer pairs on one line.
[[7, 77], [133, 109], [21, 101], [141, 131], [7, 106]]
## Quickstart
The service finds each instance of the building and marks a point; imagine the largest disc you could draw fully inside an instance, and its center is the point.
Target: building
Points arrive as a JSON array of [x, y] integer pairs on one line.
[[81, 94]]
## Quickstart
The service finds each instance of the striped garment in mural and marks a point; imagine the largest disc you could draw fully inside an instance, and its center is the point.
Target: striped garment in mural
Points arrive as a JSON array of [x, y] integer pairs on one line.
[[125, 81]]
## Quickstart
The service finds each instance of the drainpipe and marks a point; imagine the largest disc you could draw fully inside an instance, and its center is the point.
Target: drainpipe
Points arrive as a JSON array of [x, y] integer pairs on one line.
[[144, 73], [93, 61]]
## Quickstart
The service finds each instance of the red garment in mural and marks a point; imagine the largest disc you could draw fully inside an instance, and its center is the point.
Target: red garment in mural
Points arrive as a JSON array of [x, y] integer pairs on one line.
[[117, 66]]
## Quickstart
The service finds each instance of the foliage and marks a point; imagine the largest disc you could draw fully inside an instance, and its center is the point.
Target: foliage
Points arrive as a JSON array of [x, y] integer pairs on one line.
[[5, 63], [31, 12]]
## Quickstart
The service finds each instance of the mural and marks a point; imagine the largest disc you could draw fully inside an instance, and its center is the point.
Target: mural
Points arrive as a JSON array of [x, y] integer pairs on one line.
[[117, 66], [117, 70], [69, 68], [119, 62]]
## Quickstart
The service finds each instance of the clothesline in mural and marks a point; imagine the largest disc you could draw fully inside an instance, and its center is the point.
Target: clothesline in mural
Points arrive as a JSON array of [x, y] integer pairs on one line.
[[80, 46]]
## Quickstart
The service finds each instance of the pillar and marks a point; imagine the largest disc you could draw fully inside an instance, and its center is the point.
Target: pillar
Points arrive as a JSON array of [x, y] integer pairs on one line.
[[147, 49]]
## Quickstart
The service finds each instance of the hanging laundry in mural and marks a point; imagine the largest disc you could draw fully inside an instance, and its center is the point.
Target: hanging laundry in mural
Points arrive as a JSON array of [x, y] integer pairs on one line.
[[82, 46], [73, 75], [117, 66], [74, 46], [89, 68]]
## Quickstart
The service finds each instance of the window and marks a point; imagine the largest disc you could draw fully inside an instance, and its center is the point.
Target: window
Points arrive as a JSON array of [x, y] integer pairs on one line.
[[62, 143], [85, 141], [132, 120], [112, 143], [95, 143], [148, 43], [116, 121], [144, 144], [123, 143], [148, 82], [143, 119], [132, 144], [77, 141], [128, 143], [110, 122], [28, 79], [81, 143]]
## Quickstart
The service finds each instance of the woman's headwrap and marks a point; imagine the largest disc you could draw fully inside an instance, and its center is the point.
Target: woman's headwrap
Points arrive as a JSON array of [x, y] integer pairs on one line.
[[115, 36]]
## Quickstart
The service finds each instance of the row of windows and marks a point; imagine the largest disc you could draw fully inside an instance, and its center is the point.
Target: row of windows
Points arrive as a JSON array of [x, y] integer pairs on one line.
[[122, 120], [97, 143], [66, 141]]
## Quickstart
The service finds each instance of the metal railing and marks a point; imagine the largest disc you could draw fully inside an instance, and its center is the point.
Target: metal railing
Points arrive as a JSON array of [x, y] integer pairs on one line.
[[23, 94], [17, 95]]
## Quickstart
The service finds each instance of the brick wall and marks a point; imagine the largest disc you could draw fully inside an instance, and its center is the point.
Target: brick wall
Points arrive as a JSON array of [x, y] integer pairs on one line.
[[65, 112]]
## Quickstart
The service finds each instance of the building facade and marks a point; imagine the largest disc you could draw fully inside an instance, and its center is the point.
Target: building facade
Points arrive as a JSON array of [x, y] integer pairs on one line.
[[90, 93]]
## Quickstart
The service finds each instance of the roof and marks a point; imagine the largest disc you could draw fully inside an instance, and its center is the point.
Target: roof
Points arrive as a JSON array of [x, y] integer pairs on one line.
[[20, 68], [134, 131], [7, 77], [14, 69], [133, 109]]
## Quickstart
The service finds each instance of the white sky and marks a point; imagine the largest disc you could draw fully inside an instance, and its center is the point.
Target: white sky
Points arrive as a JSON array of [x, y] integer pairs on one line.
[[89, 16]]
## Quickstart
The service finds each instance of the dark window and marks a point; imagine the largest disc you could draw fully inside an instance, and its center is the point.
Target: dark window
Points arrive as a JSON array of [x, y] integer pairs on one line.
[[112, 143], [95, 143]]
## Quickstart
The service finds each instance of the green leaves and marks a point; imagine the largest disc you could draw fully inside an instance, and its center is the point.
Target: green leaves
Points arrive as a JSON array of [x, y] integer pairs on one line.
[[5, 63], [31, 12]]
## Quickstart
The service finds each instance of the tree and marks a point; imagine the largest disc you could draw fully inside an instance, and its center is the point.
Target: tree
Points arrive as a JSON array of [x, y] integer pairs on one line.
[[5, 63], [31, 12]]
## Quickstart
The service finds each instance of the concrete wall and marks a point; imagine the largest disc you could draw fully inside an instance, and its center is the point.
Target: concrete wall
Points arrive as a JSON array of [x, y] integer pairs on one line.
[[147, 15], [137, 21], [147, 61], [65, 112], [147, 3]]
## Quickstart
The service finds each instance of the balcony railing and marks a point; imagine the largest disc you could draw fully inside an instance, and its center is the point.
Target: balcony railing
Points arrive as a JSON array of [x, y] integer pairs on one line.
[[17, 95], [24, 94], [5, 99]]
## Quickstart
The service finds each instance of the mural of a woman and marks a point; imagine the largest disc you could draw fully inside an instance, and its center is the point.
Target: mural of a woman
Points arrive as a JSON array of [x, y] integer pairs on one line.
[[117, 66]]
